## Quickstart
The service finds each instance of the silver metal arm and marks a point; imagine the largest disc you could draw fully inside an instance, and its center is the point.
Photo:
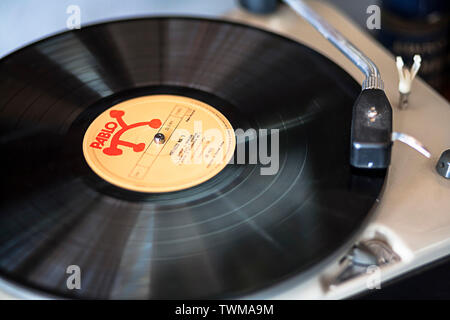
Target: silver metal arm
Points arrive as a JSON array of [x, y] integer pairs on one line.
[[370, 148], [373, 78]]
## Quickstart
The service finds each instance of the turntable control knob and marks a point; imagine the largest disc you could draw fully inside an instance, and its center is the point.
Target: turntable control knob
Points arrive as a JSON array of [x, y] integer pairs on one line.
[[159, 138], [443, 165]]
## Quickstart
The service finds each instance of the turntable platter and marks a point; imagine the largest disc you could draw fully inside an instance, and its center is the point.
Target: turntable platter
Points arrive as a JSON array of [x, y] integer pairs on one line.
[[236, 232]]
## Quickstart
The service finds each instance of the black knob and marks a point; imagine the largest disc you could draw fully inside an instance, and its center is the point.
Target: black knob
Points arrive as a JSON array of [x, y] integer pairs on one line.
[[259, 6], [443, 165]]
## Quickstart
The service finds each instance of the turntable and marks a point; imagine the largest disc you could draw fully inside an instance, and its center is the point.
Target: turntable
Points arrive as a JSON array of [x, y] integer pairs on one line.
[[109, 168]]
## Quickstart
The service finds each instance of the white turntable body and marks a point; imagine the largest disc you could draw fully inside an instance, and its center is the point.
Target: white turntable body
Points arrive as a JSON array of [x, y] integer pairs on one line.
[[413, 214]]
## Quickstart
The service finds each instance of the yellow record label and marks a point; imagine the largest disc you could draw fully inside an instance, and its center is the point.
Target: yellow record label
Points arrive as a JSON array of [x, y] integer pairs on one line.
[[159, 143]]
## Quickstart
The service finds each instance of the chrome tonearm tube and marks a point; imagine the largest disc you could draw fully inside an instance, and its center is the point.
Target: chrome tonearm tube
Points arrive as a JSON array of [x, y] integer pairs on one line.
[[373, 78], [371, 135]]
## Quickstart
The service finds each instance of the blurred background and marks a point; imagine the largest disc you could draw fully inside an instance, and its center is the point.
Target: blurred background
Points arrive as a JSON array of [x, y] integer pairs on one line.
[[408, 26]]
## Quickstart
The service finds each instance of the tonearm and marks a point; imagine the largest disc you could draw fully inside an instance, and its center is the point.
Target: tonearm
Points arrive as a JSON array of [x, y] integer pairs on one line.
[[371, 130]]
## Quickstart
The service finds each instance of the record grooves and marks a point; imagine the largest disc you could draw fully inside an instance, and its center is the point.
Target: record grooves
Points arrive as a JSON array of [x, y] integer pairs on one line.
[[234, 234]]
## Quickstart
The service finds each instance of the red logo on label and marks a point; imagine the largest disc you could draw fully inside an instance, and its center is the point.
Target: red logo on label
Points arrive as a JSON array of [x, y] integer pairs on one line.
[[104, 134]]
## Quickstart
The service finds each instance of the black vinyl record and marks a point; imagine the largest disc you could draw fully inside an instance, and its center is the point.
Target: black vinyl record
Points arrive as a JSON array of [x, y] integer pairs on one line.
[[235, 234]]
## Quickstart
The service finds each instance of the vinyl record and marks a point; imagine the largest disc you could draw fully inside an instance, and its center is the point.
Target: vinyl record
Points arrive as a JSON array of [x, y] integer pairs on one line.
[[237, 232]]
